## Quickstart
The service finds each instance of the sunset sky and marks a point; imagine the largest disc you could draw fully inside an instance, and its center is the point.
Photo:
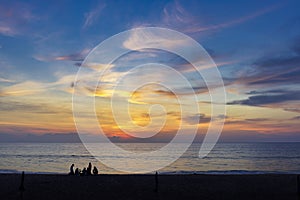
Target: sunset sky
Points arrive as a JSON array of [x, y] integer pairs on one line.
[[255, 45]]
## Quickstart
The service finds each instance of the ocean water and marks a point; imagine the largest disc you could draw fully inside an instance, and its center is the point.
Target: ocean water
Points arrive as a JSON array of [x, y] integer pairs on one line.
[[232, 158]]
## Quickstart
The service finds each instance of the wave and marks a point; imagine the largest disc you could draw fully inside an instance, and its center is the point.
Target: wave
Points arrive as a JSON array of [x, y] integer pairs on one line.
[[183, 157], [229, 172], [12, 171], [9, 171], [251, 157], [44, 156]]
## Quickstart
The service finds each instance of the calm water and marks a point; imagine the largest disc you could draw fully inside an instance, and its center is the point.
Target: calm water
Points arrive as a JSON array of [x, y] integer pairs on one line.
[[225, 158]]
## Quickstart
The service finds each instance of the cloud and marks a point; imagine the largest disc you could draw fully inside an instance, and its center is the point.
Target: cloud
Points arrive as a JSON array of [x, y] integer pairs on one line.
[[275, 91], [296, 118], [261, 125], [5, 80], [14, 16], [202, 118], [96, 66], [135, 58], [174, 13], [78, 56], [93, 15], [295, 109], [257, 136], [272, 70], [232, 22], [197, 119], [32, 107], [245, 122], [175, 16], [140, 39], [277, 71], [6, 30], [21, 89], [166, 93], [256, 120], [34, 87], [48, 137], [266, 99], [184, 91]]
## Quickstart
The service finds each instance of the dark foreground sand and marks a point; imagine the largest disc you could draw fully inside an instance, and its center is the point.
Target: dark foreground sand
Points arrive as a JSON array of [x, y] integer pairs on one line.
[[200, 187]]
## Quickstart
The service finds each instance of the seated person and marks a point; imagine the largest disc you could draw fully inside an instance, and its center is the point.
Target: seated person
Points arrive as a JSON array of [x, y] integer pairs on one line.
[[95, 170]]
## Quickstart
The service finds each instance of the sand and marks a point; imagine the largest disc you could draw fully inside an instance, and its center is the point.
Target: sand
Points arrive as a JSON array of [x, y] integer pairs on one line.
[[41, 186]]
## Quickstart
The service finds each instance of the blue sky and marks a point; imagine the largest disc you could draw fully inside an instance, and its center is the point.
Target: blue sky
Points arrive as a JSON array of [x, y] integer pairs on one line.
[[255, 44]]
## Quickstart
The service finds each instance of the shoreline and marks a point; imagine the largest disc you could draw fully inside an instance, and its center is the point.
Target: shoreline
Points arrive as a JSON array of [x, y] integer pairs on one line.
[[210, 172], [142, 186]]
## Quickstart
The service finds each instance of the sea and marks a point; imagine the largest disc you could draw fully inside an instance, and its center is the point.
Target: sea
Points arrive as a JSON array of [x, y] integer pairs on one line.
[[225, 158]]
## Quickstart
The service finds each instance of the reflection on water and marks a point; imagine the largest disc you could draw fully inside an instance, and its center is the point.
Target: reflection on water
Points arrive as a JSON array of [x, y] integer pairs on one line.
[[225, 157]]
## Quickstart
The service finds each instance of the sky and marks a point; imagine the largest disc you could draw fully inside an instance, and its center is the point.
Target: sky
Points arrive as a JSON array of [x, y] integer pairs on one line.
[[255, 46]]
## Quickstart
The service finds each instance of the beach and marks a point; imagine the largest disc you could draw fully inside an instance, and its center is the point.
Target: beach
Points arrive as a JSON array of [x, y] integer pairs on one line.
[[196, 186]]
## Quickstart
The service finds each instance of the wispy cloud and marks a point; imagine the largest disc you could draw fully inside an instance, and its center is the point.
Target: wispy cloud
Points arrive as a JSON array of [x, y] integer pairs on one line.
[[233, 22], [25, 88], [79, 56], [175, 16], [5, 29], [21, 89], [29, 107], [5, 80], [140, 39], [92, 16], [174, 13], [13, 17]]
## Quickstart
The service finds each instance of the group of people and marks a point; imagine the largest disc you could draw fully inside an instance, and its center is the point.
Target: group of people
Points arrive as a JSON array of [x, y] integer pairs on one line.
[[84, 172]]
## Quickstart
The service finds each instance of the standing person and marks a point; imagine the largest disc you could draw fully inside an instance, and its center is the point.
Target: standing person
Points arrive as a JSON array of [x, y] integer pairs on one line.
[[95, 170], [71, 170], [89, 169]]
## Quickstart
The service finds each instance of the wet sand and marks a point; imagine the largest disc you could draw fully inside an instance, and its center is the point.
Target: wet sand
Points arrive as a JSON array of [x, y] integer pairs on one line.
[[40, 186]]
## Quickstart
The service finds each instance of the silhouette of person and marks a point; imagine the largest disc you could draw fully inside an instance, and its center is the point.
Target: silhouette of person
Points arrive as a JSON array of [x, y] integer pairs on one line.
[[95, 170], [84, 171], [77, 172], [89, 169], [71, 170]]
